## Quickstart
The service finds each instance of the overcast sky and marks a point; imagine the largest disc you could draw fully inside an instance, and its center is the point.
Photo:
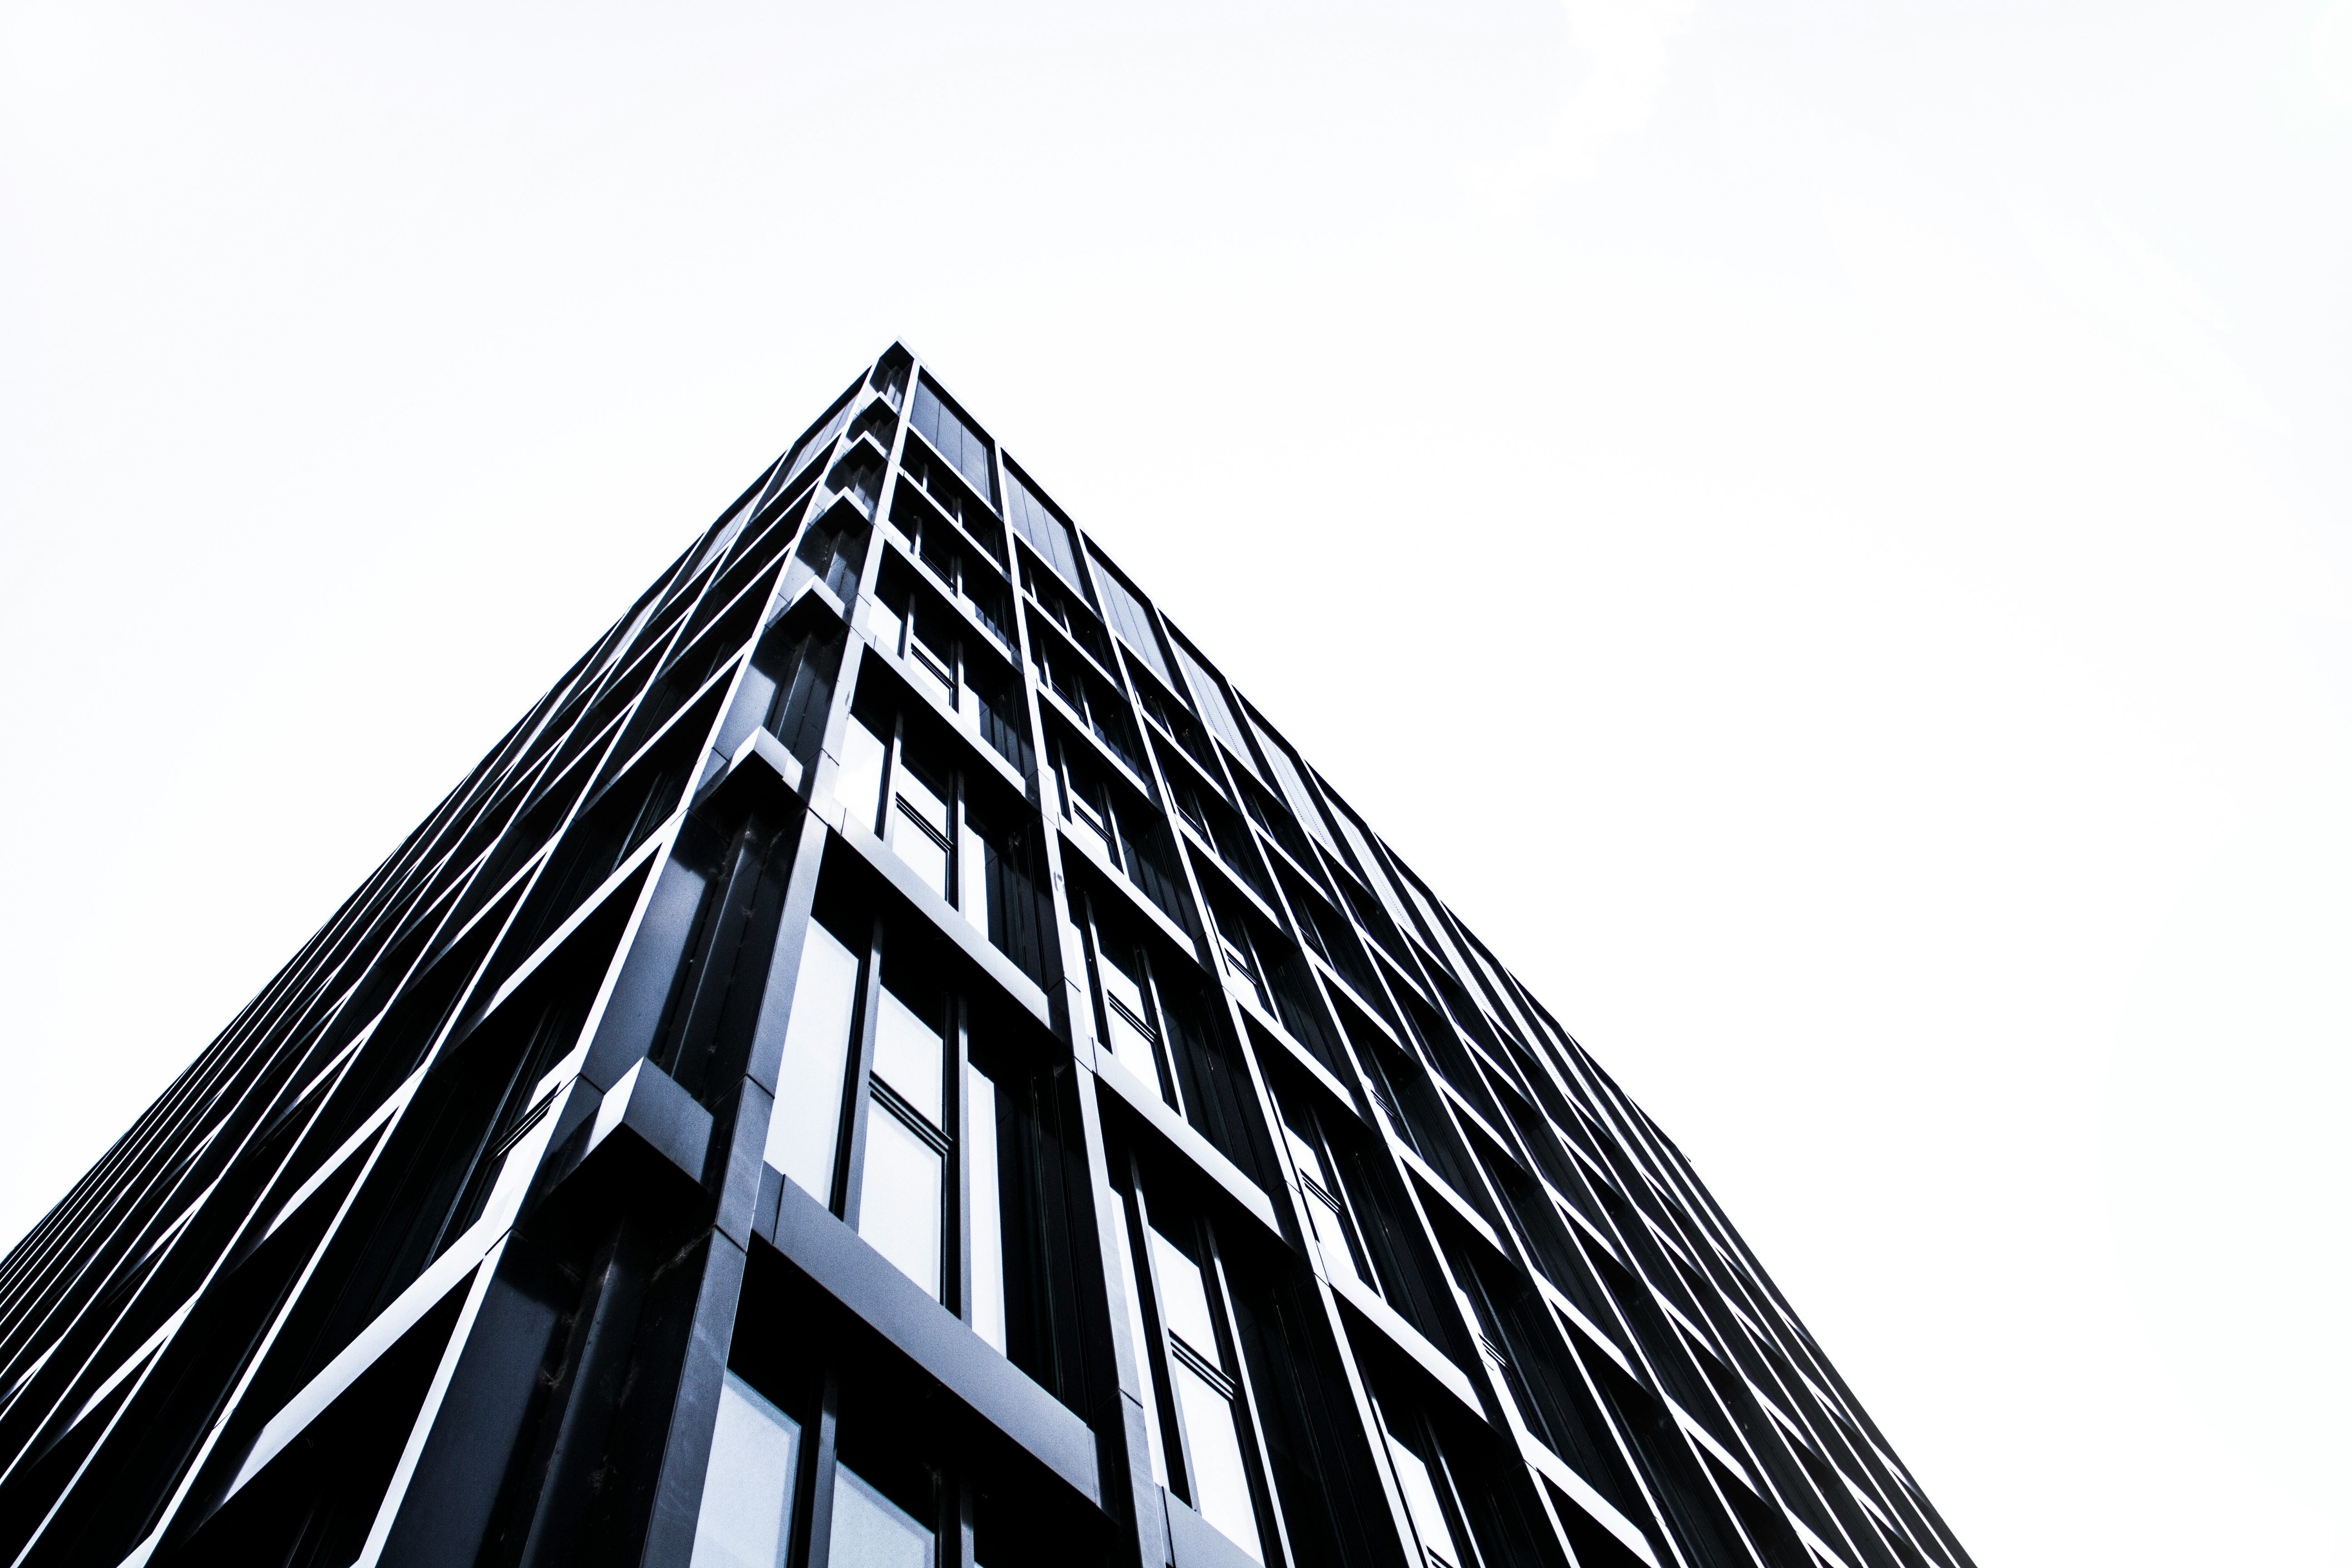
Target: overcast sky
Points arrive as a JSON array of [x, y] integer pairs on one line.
[[1819, 526]]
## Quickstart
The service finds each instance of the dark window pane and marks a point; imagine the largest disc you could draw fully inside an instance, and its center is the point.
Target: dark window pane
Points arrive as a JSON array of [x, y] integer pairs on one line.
[[1211, 698], [957, 442], [1037, 521], [1133, 624]]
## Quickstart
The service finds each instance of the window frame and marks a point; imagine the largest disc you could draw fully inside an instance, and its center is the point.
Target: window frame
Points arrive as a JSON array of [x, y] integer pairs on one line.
[[1172, 1434], [864, 1092], [1154, 1028]]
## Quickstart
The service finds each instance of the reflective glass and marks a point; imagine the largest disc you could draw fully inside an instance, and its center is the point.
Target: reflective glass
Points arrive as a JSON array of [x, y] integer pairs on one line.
[[931, 653], [1127, 1017], [1132, 1048], [1302, 800], [1330, 1235], [1184, 1298], [747, 1497], [1144, 1359], [957, 442], [899, 1211], [887, 626], [859, 786], [1210, 696], [805, 1128], [908, 1054], [870, 1530], [1304, 1155], [1120, 982], [925, 855], [821, 438], [1219, 1479], [918, 829], [1322, 1204], [987, 1211], [934, 670], [1125, 613], [1421, 1502], [925, 800], [1240, 963], [1086, 818], [1041, 528], [971, 871]]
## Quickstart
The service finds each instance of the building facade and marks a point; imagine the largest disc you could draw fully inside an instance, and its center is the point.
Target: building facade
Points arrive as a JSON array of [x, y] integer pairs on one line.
[[894, 1061]]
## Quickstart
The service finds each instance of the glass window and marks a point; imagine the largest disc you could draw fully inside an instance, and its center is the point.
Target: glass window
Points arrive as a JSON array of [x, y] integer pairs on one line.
[[1145, 1362], [886, 623], [1187, 803], [1232, 942], [1184, 1298], [1306, 1157], [859, 475], [1331, 1235], [902, 1198], [1085, 811], [1059, 672], [1205, 1394], [918, 828], [987, 1208], [1131, 1046], [1323, 1208], [835, 558], [870, 1530], [1421, 1502], [1127, 1016], [956, 441], [1219, 1479], [930, 647], [899, 1211], [1210, 696], [923, 793], [880, 421], [924, 853], [907, 1051], [859, 784], [805, 1128], [747, 1495], [1036, 521], [891, 376], [1293, 785], [820, 439], [797, 715], [975, 857], [1129, 618]]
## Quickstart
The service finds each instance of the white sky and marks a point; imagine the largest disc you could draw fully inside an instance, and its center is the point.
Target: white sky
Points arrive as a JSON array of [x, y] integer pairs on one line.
[[1824, 537]]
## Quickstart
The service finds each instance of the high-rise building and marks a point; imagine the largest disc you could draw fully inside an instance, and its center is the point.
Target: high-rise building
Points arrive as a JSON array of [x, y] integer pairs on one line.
[[895, 1061]]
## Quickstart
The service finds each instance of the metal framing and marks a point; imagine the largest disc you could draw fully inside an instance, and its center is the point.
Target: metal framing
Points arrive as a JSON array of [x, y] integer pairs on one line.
[[895, 1059]]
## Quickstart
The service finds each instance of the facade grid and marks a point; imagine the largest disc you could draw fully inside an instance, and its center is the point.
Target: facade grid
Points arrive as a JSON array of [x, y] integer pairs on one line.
[[894, 1060]]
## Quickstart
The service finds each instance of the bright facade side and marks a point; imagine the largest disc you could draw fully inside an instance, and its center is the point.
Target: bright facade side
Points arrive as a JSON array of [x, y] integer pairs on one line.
[[894, 1061]]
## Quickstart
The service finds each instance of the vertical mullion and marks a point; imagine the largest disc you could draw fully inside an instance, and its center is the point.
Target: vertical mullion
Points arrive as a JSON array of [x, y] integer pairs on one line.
[[1161, 1373], [957, 690], [1384, 1461], [1245, 1396], [1164, 1044], [952, 1519], [955, 1189], [959, 783], [812, 1525], [1081, 919], [848, 1181], [893, 757]]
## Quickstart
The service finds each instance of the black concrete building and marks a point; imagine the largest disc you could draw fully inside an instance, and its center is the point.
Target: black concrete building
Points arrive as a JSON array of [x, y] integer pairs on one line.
[[895, 1061]]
